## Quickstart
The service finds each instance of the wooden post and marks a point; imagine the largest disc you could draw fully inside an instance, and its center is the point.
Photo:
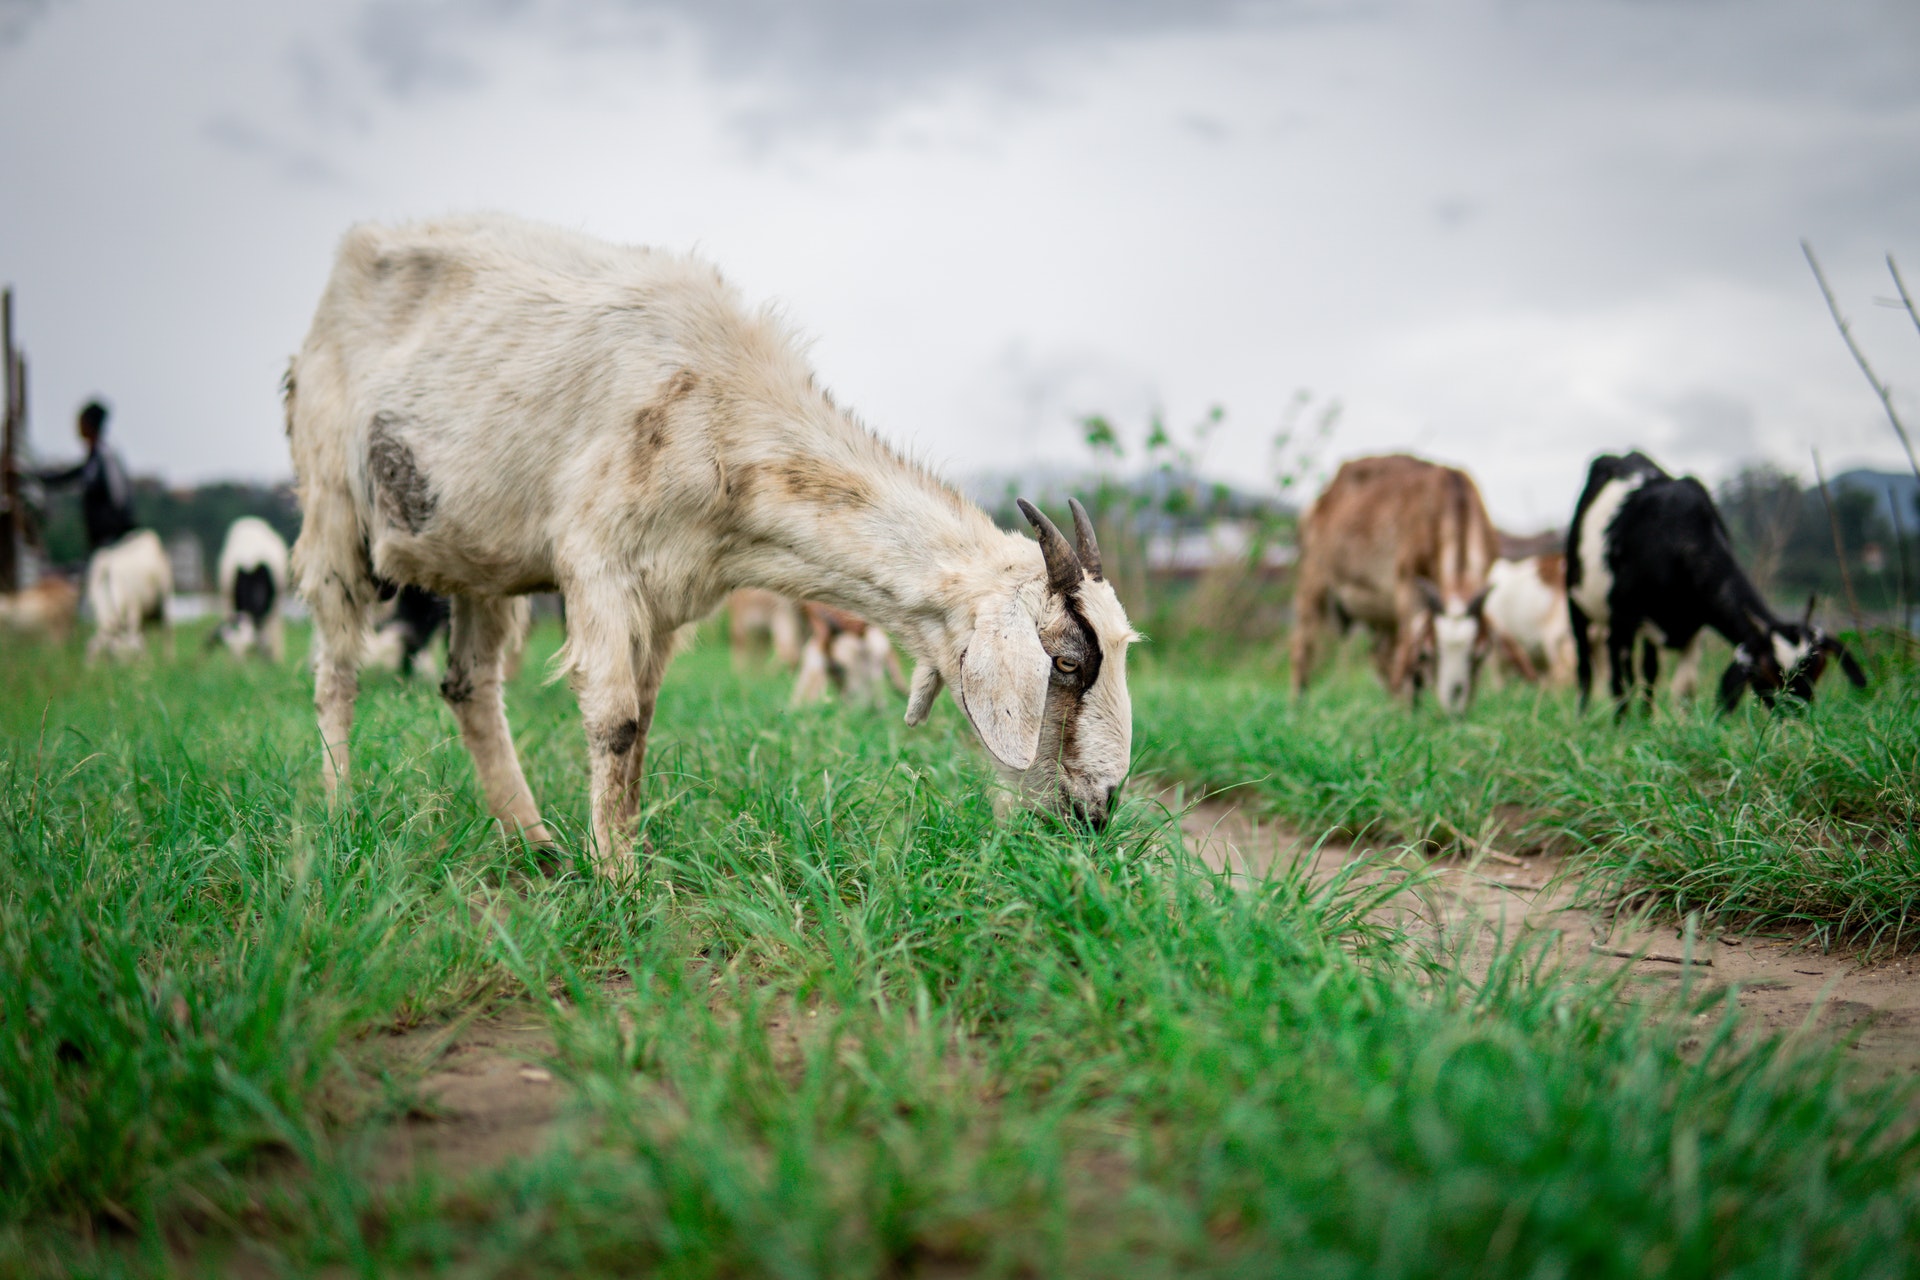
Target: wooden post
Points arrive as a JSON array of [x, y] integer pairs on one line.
[[12, 517]]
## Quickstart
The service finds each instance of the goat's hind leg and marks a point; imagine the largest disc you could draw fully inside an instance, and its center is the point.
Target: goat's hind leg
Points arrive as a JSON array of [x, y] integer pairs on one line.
[[339, 599], [480, 632]]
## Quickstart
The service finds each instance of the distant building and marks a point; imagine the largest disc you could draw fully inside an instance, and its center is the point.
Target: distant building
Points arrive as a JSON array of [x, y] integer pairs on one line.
[[1190, 552], [189, 562]]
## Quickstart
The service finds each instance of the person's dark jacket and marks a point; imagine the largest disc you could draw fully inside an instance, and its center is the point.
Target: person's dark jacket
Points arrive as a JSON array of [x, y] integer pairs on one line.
[[106, 499]]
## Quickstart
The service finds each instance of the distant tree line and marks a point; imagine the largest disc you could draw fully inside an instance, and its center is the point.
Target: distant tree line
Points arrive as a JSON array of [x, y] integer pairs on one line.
[[1782, 531], [204, 512]]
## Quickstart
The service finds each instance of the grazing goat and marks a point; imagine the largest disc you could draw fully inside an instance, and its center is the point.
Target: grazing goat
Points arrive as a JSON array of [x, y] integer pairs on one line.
[[253, 586], [1649, 552], [404, 628], [46, 610], [754, 616], [847, 654], [1527, 609], [486, 408], [128, 583], [1403, 546]]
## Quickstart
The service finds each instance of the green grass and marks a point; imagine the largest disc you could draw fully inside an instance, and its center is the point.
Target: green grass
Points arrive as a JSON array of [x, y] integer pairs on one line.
[[1812, 816], [848, 1025]]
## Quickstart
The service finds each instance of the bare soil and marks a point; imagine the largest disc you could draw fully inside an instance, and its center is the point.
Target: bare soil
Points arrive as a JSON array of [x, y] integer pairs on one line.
[[486, 1097], [1471, 902]]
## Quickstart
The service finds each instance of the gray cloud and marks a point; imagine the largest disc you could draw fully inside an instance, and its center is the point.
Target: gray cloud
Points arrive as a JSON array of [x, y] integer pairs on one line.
[[17, 18], [1711, 423], [290, 160]]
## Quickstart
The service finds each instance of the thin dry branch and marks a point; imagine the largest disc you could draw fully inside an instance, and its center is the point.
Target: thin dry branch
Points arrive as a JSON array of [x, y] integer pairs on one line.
[[1859, 357], [1901, 285]]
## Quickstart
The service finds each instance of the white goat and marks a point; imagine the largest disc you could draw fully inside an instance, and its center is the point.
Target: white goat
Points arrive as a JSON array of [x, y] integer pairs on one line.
[[44, 611], [753, 615], [848, 655], [1527, 608], [487, 408], [253, 586], [128, 583]]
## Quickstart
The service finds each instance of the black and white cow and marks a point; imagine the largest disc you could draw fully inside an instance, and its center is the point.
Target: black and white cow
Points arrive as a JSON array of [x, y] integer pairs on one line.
[[1647, 551]]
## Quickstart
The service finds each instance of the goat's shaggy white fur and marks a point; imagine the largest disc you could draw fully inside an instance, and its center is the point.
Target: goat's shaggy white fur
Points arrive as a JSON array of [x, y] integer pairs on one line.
[[252, 543], [486, 408], [128, 583]]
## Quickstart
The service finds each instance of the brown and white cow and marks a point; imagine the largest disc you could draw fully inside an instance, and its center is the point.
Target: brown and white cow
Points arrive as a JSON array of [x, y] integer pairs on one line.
[[1403, 546]]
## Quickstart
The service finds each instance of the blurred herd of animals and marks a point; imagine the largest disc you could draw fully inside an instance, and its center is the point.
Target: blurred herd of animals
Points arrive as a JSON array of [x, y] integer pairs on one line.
[[1395, 547]]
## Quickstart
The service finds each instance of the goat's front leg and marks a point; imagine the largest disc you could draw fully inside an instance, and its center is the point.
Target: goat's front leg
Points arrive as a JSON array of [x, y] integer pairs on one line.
[[617, 687], [477, 639], [1620, 636]]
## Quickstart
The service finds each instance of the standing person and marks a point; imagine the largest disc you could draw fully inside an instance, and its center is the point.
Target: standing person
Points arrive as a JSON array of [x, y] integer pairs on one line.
[[106, 499]]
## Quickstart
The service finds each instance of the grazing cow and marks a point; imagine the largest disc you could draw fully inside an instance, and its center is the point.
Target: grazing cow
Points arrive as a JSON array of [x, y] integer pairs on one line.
[[1648, 552], [848, 654], [1527, 609], [128, 583], [1402, 546], [755, 617], [253, 585], [46, 610], [486, 408]]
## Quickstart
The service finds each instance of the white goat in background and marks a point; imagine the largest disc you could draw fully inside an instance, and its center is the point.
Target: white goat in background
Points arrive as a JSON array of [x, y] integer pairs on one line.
[[753, 615], [44, 611], [1527, 608], [847, 655], [487, 408], [253, 586], [128, 583]]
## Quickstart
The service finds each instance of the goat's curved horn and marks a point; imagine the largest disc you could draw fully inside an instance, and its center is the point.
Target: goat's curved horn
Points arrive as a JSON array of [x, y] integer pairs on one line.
[[1812, 599], [1063, 567], [1088, 549]]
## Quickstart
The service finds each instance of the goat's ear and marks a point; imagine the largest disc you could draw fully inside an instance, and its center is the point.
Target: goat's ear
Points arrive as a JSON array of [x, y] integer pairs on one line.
[[1813, 598], [1003, 683], [1429, 595], [926, 687], [1476, 607], [1733, 685]]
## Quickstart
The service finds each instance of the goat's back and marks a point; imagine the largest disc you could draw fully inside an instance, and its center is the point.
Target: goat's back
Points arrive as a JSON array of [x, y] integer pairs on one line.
[[1385, 520]]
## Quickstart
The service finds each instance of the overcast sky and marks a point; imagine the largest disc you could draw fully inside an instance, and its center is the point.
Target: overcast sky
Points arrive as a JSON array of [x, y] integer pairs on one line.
[[1506, 234]]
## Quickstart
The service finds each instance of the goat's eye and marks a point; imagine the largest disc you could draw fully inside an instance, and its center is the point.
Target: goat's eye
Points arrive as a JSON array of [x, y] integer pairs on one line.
[[1065, 666]]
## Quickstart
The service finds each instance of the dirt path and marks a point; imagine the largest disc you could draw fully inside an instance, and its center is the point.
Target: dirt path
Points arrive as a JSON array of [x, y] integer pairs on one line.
[[485, 1098], [1473, 901]]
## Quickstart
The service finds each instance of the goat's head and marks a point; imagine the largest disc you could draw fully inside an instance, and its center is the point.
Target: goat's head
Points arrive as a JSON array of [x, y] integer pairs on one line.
[[1458, 640], [1044, 679], [1790, 659]]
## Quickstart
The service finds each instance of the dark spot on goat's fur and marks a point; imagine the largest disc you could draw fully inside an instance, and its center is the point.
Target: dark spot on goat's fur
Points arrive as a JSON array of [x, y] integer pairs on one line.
[[809, 481], [408, 496], [619, 739], [650, 423], [457, 686], [1073, 689], [286, 394]]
